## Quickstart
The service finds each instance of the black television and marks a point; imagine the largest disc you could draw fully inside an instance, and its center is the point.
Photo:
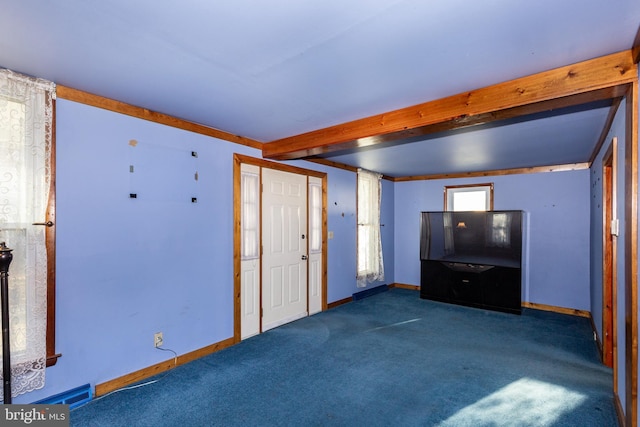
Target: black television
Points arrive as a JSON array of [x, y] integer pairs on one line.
[[492, 238]]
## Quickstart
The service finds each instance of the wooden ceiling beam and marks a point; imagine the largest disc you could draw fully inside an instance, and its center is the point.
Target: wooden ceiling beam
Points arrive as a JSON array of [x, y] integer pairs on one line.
[[596, 79], [87, 98]]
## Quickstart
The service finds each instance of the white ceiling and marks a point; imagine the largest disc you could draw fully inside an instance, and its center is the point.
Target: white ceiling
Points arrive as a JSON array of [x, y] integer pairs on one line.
[[271, 69]]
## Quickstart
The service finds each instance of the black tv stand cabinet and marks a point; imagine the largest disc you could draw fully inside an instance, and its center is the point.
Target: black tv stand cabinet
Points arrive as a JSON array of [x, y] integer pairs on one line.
[[477, 285]]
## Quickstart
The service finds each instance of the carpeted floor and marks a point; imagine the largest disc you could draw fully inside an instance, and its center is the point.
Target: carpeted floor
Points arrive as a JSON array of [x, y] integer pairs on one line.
[[388, 360]]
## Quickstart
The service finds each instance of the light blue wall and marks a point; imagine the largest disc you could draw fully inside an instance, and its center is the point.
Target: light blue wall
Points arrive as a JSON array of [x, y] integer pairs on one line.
[[557, 213], [341, 216], [127, 268]]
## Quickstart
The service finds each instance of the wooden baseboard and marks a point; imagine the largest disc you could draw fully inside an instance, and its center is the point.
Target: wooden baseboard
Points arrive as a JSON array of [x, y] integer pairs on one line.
[[339, 302], [405, 286], [561, 310], [134, 377]]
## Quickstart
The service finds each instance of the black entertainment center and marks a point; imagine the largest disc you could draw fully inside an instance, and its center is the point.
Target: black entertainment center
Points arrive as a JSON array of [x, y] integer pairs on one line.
[[472, 258]]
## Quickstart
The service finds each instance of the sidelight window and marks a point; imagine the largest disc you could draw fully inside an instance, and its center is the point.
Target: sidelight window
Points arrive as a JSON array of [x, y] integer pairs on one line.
[[315, 218], [250, 183]]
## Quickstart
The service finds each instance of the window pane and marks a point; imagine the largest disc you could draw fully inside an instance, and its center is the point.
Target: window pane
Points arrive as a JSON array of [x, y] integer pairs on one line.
[[250, 216], [315, 218], [475, 197], [364, 248], [470, 201]]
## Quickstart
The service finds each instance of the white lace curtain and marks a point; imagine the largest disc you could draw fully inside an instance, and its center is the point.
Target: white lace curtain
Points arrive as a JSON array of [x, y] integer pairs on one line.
[[25, 144], [370, 262]]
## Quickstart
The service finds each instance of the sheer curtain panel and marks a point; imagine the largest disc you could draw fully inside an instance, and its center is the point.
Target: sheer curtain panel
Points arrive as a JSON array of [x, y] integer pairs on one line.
[[370, 263], [26, 109]]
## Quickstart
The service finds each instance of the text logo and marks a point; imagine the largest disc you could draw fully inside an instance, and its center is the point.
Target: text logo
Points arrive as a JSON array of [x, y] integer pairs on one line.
[[35, 415]]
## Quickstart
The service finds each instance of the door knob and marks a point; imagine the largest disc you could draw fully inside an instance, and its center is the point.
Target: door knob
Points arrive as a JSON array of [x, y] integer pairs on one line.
[[46, 224], [304, 257]]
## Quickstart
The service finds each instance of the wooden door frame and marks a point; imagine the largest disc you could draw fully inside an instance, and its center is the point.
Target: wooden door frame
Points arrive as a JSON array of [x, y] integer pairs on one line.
[[609, 259], [50, 242], [238, 160], [631, 254]]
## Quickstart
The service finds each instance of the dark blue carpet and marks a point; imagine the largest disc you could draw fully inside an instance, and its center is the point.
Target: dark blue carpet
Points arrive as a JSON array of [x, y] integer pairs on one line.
[[388, 360]]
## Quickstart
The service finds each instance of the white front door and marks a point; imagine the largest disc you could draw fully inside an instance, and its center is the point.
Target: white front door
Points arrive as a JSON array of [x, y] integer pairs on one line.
[[284, 240]]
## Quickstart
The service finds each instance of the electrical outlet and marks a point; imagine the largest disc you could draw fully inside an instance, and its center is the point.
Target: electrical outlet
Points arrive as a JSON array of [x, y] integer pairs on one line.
[[158, 339]]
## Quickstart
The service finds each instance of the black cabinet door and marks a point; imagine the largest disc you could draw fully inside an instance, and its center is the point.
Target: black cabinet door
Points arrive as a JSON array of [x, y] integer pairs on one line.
[[495, 288], [501, 289], [435, 281]]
